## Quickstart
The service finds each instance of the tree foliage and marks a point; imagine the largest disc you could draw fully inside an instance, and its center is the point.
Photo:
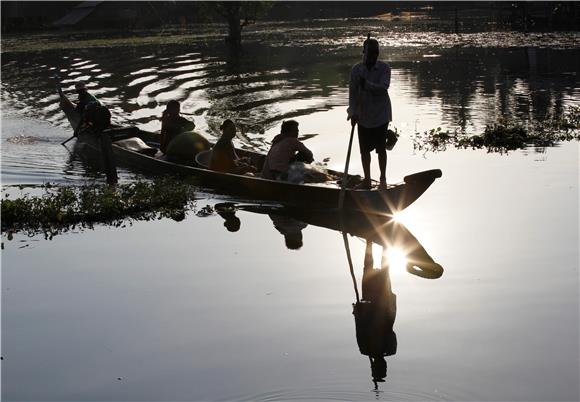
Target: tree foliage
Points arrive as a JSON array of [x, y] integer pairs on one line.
[[237, 14]]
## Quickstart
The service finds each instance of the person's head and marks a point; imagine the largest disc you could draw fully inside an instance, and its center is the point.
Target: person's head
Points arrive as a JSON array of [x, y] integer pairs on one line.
[[370, 51], [173, 107], [293, 240], [228, 128], [290, 128], [232, 223], [80, 87]]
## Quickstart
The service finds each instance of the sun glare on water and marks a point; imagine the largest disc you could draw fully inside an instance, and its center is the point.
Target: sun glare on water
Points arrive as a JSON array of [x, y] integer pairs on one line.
[[397, 259]]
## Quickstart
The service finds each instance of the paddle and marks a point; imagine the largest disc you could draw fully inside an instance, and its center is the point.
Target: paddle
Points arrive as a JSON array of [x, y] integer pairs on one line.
[[60, 94], [65, 141], [345, 174]]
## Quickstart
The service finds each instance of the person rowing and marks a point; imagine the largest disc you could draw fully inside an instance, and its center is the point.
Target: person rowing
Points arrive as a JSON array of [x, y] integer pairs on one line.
[[93, 115], [286, 148], [85, 98]]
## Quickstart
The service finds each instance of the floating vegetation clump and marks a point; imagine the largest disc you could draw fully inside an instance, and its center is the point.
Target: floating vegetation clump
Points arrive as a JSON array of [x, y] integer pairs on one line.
[[63, 208], [505, 135]]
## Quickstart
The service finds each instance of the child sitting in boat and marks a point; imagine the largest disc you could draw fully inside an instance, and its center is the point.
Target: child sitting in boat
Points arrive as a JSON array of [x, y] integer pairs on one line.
[[223, 155], [178, 142], [172, 124], [286, 149]]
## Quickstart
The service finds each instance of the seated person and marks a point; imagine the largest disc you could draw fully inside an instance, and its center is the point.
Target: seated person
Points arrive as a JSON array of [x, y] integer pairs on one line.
[[286, 149], [173, 124], [223, 155]]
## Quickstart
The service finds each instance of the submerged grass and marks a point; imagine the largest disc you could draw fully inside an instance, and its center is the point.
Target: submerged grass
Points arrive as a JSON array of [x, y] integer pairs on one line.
[[63, 208], [505, 135]]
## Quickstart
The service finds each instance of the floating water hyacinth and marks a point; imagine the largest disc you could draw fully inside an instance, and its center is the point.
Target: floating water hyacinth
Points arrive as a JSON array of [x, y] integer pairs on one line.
[[62, 208], [505, 135]]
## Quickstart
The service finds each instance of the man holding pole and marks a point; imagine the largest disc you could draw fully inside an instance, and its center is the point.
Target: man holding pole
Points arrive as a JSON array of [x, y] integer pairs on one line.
[[369, 105]]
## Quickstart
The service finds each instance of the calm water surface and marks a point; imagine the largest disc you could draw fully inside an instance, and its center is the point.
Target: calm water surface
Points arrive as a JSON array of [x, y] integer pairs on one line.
[[188, 310]]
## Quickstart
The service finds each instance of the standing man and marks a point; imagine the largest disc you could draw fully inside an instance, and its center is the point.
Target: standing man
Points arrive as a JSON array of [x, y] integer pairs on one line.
[[369, 105]]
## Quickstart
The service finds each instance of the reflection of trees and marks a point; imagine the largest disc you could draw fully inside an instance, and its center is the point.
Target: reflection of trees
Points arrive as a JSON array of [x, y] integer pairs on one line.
[[530, 83]]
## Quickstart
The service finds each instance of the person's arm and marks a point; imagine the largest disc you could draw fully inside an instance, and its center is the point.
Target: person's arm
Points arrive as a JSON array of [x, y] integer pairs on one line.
[[80, 105], [305, 152], [186, 125], [384, 82], [353, 90], [235, 156]]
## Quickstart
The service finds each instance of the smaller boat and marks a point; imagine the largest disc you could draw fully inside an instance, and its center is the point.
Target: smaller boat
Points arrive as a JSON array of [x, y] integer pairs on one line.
[[146, 157]]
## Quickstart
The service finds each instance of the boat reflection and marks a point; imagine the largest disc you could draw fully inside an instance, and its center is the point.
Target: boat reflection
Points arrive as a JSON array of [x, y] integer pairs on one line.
[[375, 308], [380, 230]]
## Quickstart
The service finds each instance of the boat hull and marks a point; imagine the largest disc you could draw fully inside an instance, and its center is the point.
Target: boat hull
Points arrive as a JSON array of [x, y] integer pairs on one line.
[[317, 196]]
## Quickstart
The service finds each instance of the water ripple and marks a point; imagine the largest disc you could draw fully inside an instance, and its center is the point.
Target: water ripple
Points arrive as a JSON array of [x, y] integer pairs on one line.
[[348, 391], [291, 70]]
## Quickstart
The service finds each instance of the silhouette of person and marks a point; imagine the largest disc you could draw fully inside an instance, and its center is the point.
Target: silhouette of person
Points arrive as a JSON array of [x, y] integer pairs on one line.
[[290, 228], [374, 315], [369, 105]]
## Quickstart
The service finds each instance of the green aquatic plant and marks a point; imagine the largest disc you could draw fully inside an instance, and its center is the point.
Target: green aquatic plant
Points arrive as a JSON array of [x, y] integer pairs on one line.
[[505, 135], [62, 208]]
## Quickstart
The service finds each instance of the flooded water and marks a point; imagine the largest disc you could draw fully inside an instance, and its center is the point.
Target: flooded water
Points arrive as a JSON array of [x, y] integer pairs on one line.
[[197, 310]]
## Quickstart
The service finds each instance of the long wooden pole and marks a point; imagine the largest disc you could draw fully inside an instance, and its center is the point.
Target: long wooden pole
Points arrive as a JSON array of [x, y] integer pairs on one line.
[[345, 174]]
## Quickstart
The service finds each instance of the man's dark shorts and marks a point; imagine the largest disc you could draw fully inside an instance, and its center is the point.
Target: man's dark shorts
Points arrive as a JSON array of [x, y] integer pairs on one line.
[[372, 138]]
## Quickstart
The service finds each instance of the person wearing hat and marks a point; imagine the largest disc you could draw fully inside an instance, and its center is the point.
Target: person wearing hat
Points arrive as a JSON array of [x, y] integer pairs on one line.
[[369, 105], [92, 114], [223, 154], [85, 98]]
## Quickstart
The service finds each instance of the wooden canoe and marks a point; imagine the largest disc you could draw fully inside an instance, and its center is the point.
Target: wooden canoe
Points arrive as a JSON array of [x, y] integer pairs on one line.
[[316, 196]]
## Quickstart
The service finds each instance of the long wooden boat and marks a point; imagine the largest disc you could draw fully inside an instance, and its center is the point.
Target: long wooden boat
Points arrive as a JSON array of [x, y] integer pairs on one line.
[[317, 196]]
